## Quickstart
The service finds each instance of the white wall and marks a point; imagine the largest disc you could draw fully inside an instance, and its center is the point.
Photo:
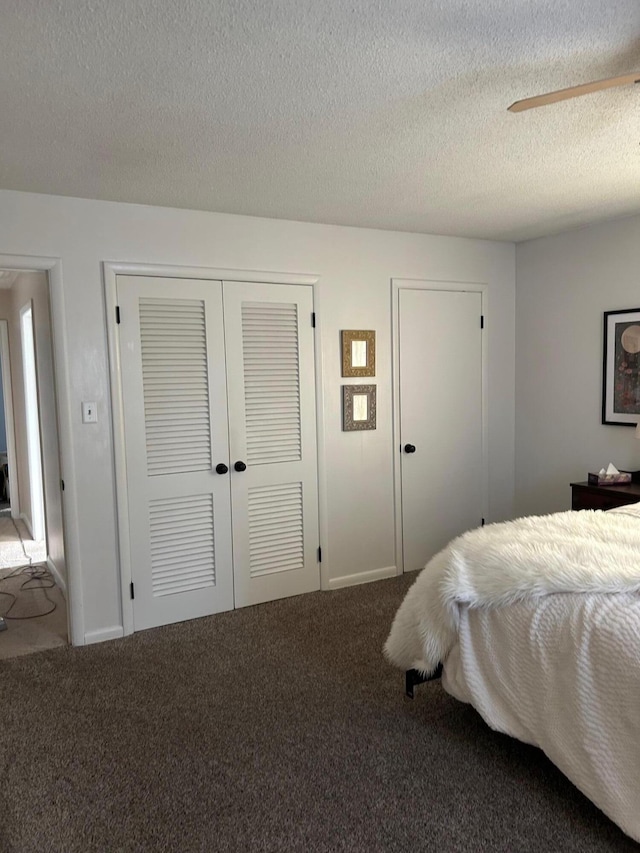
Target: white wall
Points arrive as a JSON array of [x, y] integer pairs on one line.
[[564, 286], [355, 266]]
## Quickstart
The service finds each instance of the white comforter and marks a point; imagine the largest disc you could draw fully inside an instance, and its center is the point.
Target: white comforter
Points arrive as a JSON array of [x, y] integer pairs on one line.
[[559, 671]]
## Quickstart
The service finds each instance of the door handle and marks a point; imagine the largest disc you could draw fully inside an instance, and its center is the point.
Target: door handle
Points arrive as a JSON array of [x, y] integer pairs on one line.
[[221, 468], [409, 448], [240, 466]]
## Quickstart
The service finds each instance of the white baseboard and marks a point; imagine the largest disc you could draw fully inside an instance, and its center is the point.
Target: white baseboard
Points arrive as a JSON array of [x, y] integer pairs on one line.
[[27, 523], [362, 577], [57, 577], [112, 633]]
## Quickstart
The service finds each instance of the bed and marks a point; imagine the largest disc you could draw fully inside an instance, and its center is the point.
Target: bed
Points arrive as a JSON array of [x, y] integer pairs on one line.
[[536, 623]]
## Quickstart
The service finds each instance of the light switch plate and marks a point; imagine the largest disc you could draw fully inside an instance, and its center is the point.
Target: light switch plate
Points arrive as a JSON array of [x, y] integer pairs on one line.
[[89, 413]]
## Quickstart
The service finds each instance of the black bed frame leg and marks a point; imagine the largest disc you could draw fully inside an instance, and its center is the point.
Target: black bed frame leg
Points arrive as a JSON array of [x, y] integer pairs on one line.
[[412, 677]]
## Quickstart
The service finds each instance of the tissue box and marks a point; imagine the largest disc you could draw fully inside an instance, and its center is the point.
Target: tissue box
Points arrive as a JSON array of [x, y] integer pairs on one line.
[[609, 479]]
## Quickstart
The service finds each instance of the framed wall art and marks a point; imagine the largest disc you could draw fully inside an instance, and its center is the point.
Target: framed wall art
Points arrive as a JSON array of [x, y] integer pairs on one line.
[[621, 368], [358, 352], [358, 407]]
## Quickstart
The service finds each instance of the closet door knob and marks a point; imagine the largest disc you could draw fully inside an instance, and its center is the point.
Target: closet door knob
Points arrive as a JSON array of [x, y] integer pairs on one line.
[[409, 448], [240, 466], [221, 468]]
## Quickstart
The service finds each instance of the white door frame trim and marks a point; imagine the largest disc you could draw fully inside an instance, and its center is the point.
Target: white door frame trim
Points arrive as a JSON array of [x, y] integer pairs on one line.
[[111, 270], [398, 284], [71, 527], [7, 390]]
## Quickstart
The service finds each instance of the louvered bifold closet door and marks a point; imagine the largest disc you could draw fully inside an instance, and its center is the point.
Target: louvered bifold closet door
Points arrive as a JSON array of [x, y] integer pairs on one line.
[[272, 421], [176, 432]]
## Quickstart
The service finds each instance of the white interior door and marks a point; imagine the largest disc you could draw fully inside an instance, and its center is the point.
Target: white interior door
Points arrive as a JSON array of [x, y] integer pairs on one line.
[[440, 347], [271, 392], [176, 433], [34, 448], [218, 374]]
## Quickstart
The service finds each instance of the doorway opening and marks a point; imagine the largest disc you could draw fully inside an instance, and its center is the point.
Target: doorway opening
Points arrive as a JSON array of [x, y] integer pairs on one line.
[[33, 610], [7, 444]]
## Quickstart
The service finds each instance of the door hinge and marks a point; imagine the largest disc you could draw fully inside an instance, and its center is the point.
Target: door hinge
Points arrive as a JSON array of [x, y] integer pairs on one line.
[[482, 525], [482, 321], [62, 485], [131, 590], [319, 554], [117, 314], [313, 319]]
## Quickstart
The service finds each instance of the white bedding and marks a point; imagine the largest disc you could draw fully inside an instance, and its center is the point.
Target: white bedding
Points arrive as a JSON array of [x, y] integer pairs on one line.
[[561, 673], [537, 622]]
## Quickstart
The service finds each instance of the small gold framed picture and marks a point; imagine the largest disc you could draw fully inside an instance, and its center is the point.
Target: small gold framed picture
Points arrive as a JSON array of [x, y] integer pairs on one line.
[[358, 407], [358, 352]]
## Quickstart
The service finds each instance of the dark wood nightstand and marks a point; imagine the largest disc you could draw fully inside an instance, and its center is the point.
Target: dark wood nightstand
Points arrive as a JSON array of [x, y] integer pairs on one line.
[[584, 496]]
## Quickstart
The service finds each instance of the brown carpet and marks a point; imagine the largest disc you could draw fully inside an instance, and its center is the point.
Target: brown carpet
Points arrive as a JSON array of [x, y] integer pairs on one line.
[[274, 728]]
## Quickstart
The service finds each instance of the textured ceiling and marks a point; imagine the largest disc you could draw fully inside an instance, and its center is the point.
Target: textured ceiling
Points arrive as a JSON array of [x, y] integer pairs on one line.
[[367, 112]]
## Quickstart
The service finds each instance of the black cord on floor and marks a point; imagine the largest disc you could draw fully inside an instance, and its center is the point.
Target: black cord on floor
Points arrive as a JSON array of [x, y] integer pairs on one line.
[[38, 577], [19, 535], [38, 574]]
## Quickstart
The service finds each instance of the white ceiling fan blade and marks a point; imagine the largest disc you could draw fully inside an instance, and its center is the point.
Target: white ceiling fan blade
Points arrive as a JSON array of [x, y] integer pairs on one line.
[[573, 92]]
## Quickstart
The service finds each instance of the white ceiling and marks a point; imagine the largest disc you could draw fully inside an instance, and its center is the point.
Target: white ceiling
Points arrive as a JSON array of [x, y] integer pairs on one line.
[[379, 113], [7, 278]]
